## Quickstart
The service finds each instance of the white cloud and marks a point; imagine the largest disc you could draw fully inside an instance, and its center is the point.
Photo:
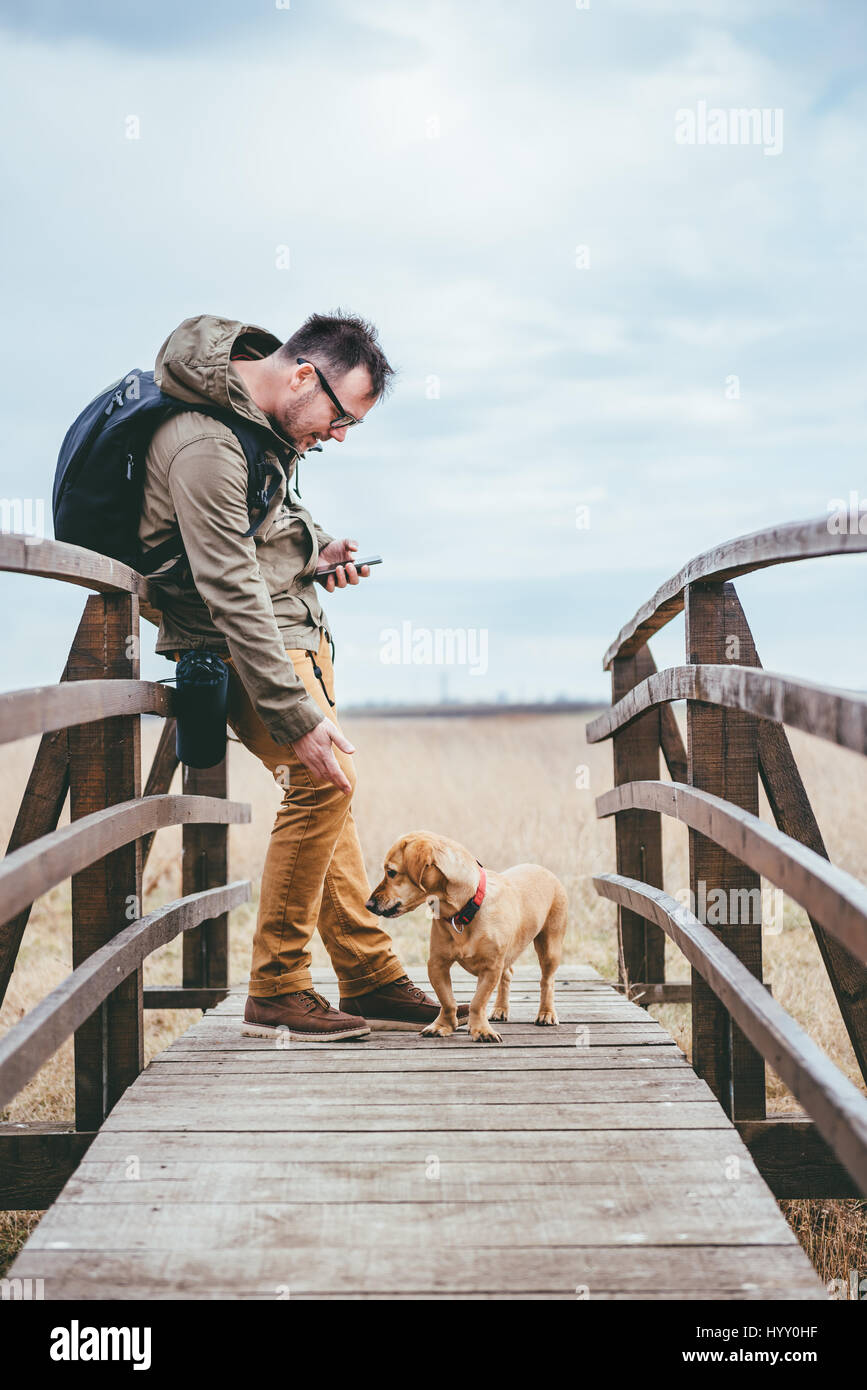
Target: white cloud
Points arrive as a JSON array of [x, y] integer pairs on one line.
[[437, 173]]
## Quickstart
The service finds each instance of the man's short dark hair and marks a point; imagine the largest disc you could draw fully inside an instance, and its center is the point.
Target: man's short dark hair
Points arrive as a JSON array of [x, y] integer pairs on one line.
[[338, 342]]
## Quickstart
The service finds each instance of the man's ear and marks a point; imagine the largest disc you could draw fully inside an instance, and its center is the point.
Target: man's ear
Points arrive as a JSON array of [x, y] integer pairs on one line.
[[300, 378]]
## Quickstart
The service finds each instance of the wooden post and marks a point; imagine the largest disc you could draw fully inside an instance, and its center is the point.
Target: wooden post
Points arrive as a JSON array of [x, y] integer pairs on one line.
[[793, 813], [104, 769], [641, 955], [38, 814], [723, 760], [159, 779], [206, 865]]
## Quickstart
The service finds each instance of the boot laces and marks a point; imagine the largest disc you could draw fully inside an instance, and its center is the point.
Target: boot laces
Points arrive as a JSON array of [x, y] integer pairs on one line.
[[316, 998], [412, 990]]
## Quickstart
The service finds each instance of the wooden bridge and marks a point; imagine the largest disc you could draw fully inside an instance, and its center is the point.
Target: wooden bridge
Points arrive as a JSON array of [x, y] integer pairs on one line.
[[595, 1165], [590, 1161]]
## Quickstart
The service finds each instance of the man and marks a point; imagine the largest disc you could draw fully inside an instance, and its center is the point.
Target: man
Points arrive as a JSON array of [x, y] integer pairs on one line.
[[253, 599]]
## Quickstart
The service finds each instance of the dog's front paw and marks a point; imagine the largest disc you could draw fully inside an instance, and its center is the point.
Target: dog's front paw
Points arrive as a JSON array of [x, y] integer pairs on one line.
[[547, 1018], [437, 1030], [485, 1035], [499, 1016]]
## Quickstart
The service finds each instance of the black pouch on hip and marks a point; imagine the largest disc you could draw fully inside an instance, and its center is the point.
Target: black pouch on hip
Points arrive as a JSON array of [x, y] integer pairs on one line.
[[202, 683]]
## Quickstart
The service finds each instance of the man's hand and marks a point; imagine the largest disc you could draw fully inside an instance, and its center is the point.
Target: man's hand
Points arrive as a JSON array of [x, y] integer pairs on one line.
[[314, 750], [340, 553]]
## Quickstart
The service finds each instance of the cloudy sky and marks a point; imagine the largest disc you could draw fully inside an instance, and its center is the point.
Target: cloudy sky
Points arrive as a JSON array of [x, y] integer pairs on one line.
[[585, 312]]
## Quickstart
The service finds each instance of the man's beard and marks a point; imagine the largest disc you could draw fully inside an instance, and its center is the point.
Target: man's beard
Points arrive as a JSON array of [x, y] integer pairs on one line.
[[287, 430], [293, 428]]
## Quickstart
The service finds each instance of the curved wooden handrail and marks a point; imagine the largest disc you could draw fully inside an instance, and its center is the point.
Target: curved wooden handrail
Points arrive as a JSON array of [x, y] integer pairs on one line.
[[837, 1107], [839, 717], [796, 540], [42, 709], [830, 895], [30, 1044], [50, 559], [28, 872]]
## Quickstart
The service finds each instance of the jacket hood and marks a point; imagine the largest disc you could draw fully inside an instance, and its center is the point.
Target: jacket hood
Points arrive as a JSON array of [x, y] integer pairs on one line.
[[194, 365]]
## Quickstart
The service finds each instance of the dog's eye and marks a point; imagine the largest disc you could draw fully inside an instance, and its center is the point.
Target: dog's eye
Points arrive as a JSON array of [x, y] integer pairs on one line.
[[392, 873]]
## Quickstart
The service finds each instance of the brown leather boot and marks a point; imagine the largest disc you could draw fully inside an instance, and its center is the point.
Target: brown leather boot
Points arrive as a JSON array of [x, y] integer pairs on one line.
[[400, 1006], [302, 1017]]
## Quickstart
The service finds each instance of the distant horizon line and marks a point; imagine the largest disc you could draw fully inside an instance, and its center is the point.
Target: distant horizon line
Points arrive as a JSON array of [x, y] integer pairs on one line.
[[384, 709], [379, 708]]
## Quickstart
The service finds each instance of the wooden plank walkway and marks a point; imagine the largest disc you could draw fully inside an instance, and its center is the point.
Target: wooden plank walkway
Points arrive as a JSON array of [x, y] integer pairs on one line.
[[583, 1161]]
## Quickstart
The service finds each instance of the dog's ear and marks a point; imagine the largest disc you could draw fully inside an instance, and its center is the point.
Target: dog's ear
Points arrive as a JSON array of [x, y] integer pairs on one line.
[[449, 862], [455, 865], [418, 856]]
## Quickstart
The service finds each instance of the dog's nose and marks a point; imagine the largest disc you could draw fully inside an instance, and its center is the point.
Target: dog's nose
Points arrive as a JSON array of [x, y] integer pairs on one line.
[[371, 904]]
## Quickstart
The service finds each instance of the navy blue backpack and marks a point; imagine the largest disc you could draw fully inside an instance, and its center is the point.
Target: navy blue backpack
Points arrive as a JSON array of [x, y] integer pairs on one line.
[[100, 471]]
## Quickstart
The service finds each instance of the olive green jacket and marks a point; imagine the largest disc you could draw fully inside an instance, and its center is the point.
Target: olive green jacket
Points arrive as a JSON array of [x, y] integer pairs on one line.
[[250, 597]]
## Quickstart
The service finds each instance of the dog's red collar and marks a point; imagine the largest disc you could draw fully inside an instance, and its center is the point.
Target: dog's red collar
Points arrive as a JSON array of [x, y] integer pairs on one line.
[[468, 911]]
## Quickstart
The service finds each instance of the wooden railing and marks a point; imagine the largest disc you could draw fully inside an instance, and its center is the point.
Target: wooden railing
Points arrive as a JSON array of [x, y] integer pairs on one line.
[[735, 738], [90, 748]]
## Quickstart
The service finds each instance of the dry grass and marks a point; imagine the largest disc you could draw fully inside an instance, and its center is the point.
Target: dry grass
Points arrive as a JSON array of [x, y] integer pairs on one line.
[[506, 787]]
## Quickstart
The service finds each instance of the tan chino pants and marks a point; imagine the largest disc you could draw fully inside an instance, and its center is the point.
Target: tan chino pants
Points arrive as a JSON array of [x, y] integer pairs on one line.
[[314, 874]]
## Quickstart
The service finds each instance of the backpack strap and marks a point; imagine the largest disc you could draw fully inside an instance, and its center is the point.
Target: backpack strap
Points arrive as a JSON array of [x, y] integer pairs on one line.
[[263, 480]]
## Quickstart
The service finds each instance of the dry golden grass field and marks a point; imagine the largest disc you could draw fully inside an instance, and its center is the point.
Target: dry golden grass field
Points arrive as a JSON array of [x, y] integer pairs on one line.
[[506, 787]]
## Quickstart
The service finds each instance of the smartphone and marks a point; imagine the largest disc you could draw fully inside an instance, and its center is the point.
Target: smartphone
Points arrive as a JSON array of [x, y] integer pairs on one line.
[[365, 560]]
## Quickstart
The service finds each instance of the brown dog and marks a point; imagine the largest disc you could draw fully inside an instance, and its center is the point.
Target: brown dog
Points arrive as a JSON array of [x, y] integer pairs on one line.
[[482, 919]]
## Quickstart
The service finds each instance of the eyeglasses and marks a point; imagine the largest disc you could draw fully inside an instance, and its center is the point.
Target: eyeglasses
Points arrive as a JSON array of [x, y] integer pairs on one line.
[[343, 419]]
